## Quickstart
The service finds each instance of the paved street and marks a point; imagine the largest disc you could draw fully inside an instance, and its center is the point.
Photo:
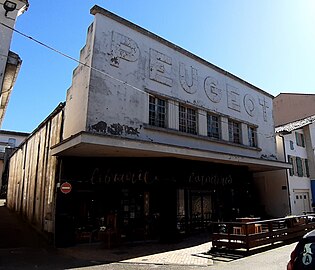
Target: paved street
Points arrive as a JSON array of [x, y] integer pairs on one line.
[[274, 259], [22, 248]]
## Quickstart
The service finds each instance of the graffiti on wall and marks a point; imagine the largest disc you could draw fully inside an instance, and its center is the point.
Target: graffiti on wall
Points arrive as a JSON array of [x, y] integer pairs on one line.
[[114, 129]]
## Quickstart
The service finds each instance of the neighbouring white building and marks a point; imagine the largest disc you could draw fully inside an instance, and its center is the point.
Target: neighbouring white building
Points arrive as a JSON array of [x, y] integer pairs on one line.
[[10, 62], [151, 137], [295, 129], [9, 141]]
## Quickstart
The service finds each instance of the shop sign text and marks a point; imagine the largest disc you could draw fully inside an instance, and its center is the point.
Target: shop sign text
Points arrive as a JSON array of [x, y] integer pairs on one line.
[[161, 70], [131, 177], [213, 180]]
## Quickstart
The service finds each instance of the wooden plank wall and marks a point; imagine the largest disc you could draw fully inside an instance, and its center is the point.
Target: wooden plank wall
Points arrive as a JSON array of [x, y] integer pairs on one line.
[[33, 172]]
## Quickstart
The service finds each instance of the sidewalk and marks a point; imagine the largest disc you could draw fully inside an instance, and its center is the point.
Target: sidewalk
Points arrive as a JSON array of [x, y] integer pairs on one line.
[[22, 248], [190, 252], [16, 233], [18, 236]]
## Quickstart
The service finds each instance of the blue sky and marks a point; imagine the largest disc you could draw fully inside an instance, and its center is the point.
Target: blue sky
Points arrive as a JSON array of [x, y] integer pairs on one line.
[[270, 44]]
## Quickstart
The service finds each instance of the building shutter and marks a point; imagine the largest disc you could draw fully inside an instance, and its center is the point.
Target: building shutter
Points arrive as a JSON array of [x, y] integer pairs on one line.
[[299, 166], [290, 160]]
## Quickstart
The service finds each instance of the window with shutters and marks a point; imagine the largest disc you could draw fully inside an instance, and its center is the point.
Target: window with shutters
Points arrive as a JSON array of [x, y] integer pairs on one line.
[[290, 160], [299, 166]]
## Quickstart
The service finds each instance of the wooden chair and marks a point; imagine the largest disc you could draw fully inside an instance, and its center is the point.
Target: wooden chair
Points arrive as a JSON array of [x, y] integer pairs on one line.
[[258, 228], [110, 236], [237, 230]]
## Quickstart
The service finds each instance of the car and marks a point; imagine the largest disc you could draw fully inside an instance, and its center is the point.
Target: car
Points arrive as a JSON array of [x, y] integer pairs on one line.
[[303, 255]]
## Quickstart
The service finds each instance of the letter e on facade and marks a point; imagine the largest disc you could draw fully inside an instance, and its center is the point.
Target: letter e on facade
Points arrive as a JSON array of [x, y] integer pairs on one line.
[[160, 67], [233, 98]]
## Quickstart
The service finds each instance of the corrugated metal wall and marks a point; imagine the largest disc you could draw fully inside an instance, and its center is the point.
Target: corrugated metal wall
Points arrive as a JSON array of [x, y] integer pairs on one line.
[[33, 172]]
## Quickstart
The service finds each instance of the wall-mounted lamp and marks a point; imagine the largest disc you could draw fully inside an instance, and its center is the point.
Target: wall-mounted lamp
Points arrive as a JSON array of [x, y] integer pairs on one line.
[[9, 6]]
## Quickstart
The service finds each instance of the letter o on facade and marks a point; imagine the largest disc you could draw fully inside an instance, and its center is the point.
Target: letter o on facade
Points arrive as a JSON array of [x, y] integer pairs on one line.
[[249, 105]]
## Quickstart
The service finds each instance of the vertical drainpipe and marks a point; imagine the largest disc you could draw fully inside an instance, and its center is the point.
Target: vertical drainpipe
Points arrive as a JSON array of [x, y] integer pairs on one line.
[[286, 172]]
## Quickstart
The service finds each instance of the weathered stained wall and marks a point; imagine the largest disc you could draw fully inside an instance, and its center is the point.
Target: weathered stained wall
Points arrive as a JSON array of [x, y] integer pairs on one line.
[[32, 174], [273, 195], [130, 63], [78, 93]]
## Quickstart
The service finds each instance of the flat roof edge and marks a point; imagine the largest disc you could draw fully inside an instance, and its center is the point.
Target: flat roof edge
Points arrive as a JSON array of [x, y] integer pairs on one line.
[[99, 10]]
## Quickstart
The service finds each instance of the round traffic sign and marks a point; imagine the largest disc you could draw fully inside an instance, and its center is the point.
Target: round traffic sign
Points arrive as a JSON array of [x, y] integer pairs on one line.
[[65, 188]]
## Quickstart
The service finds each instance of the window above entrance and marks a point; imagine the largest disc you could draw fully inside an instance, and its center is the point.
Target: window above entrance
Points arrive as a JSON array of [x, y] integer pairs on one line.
[[213, 126], [157, 111], [187, 119], [234, 131]]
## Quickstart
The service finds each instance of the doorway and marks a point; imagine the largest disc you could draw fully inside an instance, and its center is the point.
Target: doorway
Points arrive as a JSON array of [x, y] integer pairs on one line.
[[200, 209], [301, 202]]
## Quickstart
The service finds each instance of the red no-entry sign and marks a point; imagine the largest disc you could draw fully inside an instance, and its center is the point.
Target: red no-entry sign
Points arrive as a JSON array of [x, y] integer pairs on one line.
[[65, 187]]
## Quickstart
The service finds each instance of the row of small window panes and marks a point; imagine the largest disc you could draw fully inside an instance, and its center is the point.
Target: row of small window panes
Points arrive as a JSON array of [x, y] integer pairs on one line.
[[188, 122], [157, 112], [297, 197], [187, 119], [300, 166]]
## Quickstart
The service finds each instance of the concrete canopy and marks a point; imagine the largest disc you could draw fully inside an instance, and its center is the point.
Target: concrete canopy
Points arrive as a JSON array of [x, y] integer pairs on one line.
[[86, 144]]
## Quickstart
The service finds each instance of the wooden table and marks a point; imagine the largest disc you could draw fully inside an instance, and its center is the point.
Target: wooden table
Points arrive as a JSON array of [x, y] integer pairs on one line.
[[250, 227], [109, 237]]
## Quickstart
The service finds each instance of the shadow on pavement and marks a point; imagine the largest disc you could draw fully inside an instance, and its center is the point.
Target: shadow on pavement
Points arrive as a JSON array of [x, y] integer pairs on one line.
[[130, 250], [22, 247], [226, 255]]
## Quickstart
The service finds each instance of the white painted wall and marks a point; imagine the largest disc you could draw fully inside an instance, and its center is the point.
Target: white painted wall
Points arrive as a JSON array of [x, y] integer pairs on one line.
[[132, 63], [6, 33], [296, 183], [76, 110], [5, 138]]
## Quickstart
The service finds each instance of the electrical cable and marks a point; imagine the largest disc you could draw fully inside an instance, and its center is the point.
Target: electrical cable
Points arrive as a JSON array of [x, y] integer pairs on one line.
[[100, 71]]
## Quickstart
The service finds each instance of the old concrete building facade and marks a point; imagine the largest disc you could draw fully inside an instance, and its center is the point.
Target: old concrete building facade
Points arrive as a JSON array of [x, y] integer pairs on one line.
[[151, 135]]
